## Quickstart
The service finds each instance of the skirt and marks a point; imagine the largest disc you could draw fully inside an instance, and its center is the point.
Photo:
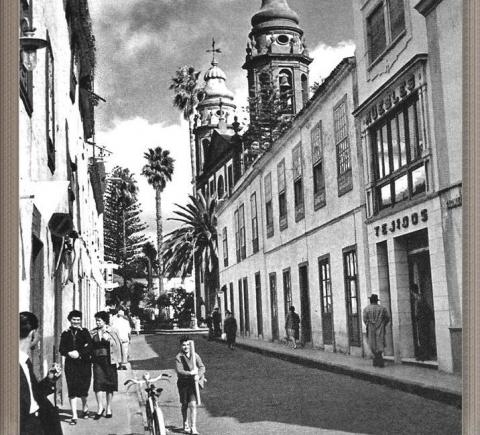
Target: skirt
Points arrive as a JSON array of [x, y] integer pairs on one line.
[[78, 374], [186, 390], [105, 376]]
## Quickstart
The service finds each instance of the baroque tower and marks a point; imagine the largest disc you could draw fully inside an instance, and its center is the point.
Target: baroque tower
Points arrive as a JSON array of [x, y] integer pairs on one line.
[[216, 111], [277, 51]]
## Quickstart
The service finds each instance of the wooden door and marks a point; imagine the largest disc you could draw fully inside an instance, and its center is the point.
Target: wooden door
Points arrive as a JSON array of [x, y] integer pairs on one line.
[[326, 301], [274, 305], [351, 295], [305, 320]]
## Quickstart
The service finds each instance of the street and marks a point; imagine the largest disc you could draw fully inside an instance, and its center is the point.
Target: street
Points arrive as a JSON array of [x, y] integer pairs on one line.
[[248, 393]]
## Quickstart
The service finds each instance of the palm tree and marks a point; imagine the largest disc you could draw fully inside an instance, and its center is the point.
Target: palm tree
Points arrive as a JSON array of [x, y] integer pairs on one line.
[[186, 91], [158, 172], [150, 256], [195, 239]]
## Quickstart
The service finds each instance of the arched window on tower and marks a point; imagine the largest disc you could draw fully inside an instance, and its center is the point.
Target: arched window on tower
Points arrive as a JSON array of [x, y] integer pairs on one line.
[[220, 187], [286, 90], [205, 144], [304, 89]]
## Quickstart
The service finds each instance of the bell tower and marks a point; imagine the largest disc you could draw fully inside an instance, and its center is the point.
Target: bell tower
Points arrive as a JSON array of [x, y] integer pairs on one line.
[[277, 52]]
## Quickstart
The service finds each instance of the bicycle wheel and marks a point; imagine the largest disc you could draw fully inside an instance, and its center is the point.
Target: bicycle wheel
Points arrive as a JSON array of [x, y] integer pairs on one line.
[[150, 412], [159, 421]]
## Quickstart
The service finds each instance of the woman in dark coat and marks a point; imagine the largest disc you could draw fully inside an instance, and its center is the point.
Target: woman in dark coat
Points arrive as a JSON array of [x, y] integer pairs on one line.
[[75, 346], [106, 354], [230, 329]]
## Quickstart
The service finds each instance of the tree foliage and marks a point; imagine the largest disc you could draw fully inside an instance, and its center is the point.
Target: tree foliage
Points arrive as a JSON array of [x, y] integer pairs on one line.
[[123, 229]]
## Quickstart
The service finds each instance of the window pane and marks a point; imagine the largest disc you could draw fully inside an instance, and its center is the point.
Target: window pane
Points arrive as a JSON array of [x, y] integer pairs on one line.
[[403, 146], [282, 204], [412, 133], [385, 195], [421, 145], [298, 188], [268, 187], [386, 163], [297, 160], [318, 178], [281, 175], [401, 188], [418, 180], [397, 18], [380, 169], [316, 140], [377, 40], [395, 149]]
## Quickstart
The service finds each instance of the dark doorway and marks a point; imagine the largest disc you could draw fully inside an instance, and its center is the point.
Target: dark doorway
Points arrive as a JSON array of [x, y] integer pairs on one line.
[[423, 319], [232, 300], [240, 307], [305, 321], [326, 301], [273, 304], [258, 296], [246, 306], [37, 293]]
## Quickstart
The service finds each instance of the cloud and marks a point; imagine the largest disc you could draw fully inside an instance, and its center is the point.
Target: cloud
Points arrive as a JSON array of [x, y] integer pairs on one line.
[[128, 140], [327, 57]]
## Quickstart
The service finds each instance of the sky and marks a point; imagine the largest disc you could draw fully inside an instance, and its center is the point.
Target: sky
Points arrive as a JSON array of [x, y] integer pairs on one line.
[[141, 43]]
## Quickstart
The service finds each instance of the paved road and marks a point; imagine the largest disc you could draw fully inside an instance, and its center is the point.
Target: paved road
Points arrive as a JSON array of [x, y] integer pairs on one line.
[[248, 393]]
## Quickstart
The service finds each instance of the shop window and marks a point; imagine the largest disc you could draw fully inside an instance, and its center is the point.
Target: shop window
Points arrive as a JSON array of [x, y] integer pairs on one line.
[[286, 90], [253, 206], [342, 145], [287, 291], [319, 198], [50, 107], [282, 195], [225, 247], [26, 77], [243, 242], [298, 182], [268, 204], [397, 146], [384, 25]]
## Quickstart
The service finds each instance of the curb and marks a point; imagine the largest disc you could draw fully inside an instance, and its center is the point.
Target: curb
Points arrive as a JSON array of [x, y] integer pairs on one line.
[[427, 391]]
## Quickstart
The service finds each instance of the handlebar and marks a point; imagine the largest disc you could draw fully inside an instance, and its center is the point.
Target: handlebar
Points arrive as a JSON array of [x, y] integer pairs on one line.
[[146, 379]]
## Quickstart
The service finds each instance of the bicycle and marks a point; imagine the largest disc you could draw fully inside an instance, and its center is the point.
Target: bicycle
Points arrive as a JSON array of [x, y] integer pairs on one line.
[[155, 420]]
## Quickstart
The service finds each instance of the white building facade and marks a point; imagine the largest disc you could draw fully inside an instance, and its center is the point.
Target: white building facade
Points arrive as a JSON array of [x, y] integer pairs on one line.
[[409, 116], [61, 176]]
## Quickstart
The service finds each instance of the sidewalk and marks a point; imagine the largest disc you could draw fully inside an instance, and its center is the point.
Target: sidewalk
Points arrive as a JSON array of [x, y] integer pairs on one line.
[[127, 416], [426, 382]]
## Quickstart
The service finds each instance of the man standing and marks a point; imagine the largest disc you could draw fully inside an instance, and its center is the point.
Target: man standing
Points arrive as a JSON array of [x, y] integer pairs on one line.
[[292, 327], [230, 329], [123, 329], [376, 318], [37, 414], [217, 318]]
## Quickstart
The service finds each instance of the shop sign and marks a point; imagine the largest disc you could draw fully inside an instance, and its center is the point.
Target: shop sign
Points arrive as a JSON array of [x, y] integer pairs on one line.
[[401, 223]]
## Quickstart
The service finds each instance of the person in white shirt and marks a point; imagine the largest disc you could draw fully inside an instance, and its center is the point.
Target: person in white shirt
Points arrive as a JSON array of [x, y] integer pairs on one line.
[[124, 330], [37, 414]]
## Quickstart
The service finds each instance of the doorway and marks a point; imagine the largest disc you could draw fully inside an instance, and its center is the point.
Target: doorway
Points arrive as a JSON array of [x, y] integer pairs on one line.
[[273, 304], [305, 321], [422, 308], [326, 299]]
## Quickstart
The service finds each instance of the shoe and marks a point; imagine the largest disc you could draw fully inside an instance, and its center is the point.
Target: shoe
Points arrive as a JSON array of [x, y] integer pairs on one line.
[[194, 431], [85, 414], [97, 416], [186, 429], [73, 422], [108, 415]]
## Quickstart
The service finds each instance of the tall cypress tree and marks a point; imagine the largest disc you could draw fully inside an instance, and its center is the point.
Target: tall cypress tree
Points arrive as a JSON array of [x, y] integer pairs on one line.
[[123, 229]]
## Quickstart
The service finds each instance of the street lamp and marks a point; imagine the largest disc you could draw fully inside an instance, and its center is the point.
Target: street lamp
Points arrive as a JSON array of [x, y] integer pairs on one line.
[[29, 45]]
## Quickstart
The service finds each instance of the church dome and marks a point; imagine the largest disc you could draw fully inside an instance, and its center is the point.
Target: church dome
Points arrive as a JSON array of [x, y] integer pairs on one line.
[[215, 86], [273, 10]]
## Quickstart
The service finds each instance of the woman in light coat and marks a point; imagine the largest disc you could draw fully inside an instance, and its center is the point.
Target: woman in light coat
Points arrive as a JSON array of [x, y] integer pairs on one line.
[[106, 354]]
